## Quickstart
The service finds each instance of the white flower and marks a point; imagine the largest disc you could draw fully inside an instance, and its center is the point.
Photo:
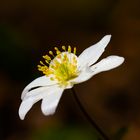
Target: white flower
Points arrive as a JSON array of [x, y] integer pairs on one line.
[[62, 72]]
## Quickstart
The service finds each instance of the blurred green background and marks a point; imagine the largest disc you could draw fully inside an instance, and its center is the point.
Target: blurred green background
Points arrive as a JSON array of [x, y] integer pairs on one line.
[[29, 29]]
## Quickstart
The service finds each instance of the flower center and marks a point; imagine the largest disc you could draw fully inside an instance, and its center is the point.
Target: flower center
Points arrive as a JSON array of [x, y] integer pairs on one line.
[[63, 67]]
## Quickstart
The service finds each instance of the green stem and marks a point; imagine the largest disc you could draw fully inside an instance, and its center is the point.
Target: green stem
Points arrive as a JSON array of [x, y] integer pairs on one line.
[[94, 124]]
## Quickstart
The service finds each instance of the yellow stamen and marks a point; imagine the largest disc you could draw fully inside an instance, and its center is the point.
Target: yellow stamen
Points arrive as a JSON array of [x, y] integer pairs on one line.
[[57, 50], [47, 61], [65, 57], [44, 69], [74, 51], [64, 48], [51, 53], [74, 60], [42, 63], [59, 57], [62, 68], [69, 49], [47, 57]]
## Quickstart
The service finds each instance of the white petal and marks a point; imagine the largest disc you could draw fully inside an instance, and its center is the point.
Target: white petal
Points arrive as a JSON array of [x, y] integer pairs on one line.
[[104, 65], [50, 102], [25, 107], [32, 97], [38, 92], [85, 74], [91, 55], [41, 81]]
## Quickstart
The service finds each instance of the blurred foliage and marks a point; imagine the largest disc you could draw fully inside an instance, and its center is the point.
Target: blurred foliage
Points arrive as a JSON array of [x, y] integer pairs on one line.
[[120, 133], [13, 47], [69, 132]]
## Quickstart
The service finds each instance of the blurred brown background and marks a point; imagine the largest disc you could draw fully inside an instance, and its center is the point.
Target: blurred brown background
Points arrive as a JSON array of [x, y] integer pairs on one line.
[[28, 29]]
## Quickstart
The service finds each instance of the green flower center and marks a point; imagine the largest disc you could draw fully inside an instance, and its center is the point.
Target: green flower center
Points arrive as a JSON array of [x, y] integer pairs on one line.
[[62, 68]]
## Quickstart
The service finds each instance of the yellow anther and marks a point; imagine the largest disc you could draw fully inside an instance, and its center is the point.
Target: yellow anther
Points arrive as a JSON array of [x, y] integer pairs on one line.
[[69, 49], [59, 57], [64, 48], [41, 63], [65, 57], [39, 67], [57, 50], [47, 61], [74, 51], [51, 53], [47, 57]]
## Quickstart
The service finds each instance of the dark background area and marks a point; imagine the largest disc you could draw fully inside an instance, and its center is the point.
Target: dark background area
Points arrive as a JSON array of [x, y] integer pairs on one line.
[[29, 29]]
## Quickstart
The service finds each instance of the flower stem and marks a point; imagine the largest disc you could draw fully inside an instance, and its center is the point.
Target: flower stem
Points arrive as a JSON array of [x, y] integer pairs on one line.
[[94, 124]]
